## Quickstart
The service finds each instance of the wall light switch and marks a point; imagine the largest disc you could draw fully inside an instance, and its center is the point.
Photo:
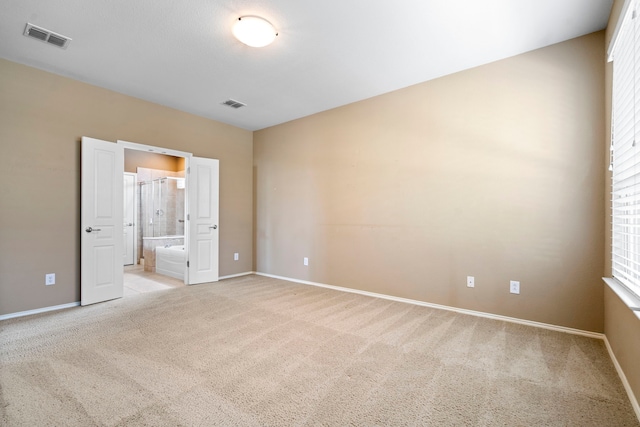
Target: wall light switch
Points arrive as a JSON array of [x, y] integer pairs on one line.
[[305, 261], [50, 279], [470, 282], [236, 256]]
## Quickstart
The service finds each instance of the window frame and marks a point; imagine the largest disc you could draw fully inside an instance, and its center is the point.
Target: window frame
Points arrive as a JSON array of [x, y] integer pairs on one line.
[[625, 157]]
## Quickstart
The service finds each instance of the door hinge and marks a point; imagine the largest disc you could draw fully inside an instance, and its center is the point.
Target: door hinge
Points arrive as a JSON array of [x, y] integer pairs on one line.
[[188, 217], [189, 169], [187, 263]]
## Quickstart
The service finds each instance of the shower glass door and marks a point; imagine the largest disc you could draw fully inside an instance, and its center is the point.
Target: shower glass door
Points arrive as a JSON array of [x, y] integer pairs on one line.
[[162, 207]]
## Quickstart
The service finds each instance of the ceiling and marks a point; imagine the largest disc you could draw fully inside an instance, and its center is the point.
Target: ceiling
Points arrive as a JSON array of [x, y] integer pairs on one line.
[[328, 53]]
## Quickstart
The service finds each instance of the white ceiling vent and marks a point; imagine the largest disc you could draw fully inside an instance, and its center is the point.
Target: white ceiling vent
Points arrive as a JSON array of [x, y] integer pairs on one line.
[[233, 103], [46, 36]]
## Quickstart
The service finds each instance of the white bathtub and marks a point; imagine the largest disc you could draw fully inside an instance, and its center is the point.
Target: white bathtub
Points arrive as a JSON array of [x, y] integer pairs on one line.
[[171, 261]]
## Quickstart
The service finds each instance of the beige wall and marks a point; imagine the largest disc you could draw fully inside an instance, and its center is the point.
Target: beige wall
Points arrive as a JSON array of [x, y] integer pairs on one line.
[[622, 329], [621, 326], [133, 159], [42, 118], [494, 172]]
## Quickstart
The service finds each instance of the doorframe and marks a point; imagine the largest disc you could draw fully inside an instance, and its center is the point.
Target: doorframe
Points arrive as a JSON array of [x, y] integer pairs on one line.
[[135, 215], [187, 160]]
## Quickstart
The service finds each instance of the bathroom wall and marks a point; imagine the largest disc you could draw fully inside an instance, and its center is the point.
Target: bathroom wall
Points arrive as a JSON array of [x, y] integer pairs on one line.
[[137, 158]]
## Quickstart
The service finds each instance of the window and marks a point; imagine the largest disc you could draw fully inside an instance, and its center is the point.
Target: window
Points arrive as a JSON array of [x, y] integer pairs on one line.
[[625, 150]]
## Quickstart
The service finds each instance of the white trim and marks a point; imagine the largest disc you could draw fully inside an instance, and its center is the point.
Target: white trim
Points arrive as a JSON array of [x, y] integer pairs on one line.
[[39, 310], [616, 31], [135, 216], [623, 378], [231, 276], [573, 331], [152, 149], [630, 299]]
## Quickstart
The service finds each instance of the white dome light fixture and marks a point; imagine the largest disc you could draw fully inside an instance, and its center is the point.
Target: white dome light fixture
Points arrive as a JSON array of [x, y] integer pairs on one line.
[[254, 31]]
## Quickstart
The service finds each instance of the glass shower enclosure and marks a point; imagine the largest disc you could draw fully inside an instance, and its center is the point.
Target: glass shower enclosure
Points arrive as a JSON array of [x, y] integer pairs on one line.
[[162, 207]]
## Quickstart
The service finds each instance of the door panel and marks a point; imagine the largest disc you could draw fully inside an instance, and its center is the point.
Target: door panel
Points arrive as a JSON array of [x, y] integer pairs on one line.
[[204, 255], [203, 188], [101, 221], [104, 256]]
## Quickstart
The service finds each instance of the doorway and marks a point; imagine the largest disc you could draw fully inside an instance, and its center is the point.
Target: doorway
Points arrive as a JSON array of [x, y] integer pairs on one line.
[[102, 218], [158, 240]]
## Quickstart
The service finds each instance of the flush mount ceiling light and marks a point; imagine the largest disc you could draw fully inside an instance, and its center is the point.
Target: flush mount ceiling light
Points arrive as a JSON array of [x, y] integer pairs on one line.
[[254, 31]]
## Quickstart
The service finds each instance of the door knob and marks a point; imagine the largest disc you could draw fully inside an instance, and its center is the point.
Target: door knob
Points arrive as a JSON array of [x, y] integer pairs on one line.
[[213, 226], [89, 229]]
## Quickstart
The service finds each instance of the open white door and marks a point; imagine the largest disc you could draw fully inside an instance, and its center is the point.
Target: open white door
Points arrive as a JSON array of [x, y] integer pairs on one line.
[[203, 188], [101, 221], [129, 248]]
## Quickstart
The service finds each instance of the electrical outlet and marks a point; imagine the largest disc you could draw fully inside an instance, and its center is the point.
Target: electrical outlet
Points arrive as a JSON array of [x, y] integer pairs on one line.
[[470, 282], [514, 287], [50, 279], [305, 261], [236, 256]]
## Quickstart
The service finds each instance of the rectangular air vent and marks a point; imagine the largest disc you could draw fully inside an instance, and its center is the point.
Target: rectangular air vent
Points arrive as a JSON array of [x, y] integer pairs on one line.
[[46, 36], [233, 103]]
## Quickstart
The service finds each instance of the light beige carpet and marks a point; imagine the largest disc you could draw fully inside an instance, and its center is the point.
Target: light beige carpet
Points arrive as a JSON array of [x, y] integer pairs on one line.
[[255, 351]]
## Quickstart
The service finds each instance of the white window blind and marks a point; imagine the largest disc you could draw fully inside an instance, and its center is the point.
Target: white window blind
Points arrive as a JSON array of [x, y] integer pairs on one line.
[[625, 152]]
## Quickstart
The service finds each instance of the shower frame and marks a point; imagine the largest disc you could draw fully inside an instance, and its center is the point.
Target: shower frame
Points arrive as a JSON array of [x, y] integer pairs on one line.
[[153, 206]]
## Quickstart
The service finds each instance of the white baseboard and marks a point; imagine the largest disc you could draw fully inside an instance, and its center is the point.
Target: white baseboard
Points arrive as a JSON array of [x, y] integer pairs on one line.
[[623, 378], [77, 303], [445, 307], [39, 310], [231, 276]]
